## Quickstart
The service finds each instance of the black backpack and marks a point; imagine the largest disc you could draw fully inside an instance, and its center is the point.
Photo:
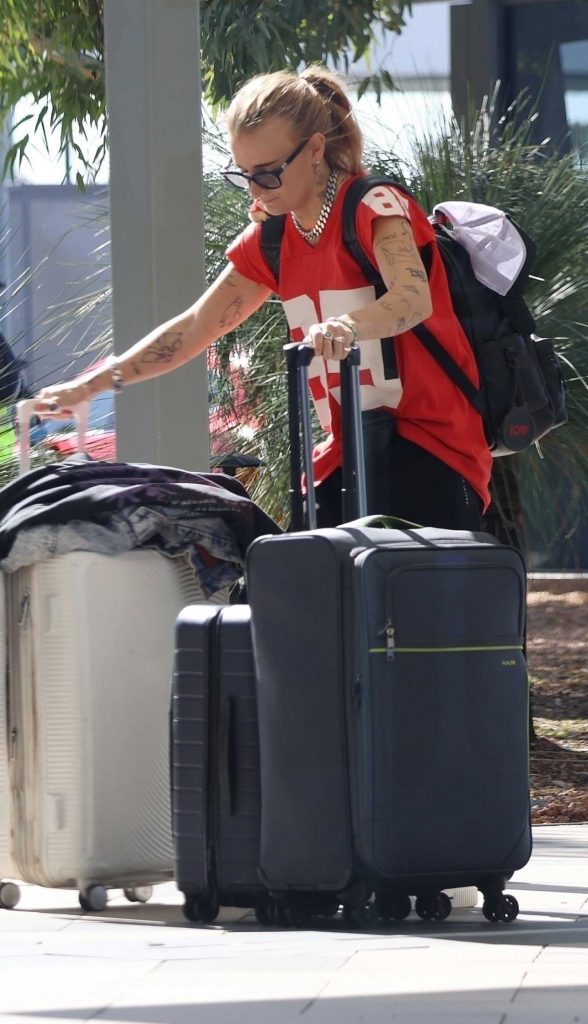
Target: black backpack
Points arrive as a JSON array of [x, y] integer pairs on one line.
[[522, 392]]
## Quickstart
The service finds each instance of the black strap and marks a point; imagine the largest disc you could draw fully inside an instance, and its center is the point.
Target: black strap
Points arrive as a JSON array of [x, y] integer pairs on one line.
[[450, 367], [272, 231], [432, 344]]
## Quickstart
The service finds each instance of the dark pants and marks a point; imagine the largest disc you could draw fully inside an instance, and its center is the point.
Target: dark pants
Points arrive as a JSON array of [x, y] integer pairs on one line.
[[404, 480]]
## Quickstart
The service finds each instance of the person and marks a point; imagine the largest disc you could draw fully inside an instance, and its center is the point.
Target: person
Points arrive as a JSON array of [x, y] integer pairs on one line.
[[296, 146], [11, 389]]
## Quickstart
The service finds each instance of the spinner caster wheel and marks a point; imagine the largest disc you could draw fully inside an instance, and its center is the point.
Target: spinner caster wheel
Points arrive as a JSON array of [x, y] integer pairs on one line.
[[500, 908], [9, 895], [139, 893], [279, 916], [433, 908], [364, 915], [393, 908], [200, 908], [208, 910], [296, 917], [191, 908], [94, 897], [263, 911], [328, 908]]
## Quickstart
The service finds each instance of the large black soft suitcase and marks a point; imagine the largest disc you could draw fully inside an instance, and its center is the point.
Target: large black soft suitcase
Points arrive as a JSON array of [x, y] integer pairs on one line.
[[392, 702], [215, 762]]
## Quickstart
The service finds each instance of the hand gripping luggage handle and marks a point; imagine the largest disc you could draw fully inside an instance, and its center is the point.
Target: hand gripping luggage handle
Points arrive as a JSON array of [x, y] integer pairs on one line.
[[24, 411], [298, 358]]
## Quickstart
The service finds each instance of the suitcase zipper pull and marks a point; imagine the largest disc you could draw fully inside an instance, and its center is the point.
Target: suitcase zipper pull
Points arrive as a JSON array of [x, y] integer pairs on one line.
[[389, 632]]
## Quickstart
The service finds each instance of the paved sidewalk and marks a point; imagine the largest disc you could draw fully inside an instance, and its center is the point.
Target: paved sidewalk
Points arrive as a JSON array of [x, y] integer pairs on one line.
[[145, 964]]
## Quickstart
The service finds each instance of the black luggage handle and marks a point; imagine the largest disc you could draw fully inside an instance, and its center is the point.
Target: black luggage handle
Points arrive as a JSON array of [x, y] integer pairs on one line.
[[225, 747], [298, 358]]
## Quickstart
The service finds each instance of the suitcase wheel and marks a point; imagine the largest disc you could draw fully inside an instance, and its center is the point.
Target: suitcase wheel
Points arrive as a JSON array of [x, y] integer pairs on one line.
[[199, 908], [297, 917], [393, 908], [433, 907], [139, 893], [500, 908], [279, 916], [9, 895], [263, 910], [362, 915], [94, 897]]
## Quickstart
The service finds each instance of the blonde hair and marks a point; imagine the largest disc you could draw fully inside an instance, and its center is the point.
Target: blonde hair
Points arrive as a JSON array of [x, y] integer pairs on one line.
[[313, 100]]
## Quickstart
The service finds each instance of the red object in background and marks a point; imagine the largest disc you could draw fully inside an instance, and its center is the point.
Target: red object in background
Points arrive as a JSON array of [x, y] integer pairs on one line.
[[224, 426], [100, 444]]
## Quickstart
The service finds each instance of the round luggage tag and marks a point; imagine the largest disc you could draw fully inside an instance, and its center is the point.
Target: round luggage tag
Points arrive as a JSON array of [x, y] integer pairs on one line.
[[518, 429]]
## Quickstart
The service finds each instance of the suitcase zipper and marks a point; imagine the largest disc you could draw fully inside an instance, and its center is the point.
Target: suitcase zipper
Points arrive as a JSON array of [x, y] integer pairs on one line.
[[390, 648]]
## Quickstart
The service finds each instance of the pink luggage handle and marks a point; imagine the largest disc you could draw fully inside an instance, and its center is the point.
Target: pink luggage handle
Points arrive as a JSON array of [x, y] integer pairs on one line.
[[24, 411]]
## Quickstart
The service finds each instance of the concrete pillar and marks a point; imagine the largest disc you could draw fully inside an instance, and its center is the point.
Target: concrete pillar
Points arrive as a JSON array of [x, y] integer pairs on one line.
[[153, 94]]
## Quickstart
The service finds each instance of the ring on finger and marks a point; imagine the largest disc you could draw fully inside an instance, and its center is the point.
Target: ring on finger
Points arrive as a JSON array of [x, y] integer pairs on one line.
[[328, 335], [54, 405]]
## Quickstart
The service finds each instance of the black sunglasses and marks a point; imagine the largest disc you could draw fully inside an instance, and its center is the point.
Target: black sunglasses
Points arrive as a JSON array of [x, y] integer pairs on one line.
[[265, 179]]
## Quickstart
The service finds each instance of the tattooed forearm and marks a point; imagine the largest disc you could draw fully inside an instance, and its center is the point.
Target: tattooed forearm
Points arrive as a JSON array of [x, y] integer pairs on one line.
[[162, 350]]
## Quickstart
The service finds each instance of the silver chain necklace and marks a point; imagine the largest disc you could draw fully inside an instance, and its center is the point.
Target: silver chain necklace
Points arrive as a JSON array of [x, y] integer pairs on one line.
[[317, 230]]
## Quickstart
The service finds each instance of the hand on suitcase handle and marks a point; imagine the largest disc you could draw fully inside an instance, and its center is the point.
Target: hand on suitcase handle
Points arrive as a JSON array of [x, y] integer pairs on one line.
[[333, 338], [27, 408], [301, 354]]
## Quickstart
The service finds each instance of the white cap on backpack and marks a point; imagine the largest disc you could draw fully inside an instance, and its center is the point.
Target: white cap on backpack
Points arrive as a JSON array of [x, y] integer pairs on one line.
[[495, 247]]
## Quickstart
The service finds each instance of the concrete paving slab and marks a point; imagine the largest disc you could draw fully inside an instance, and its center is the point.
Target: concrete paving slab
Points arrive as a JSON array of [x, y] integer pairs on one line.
[[146, 964]]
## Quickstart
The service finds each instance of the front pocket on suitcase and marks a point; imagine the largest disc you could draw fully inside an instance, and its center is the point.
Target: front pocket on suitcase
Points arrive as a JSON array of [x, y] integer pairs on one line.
[[454, 606], [448, 775], [442, 721]]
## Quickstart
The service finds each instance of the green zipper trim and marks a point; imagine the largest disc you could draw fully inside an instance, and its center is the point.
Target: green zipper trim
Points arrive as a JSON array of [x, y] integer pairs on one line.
[[441, 650]]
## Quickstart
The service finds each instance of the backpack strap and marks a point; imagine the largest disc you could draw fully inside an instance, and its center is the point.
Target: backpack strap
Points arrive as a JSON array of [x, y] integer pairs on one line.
[[355, 194], [272, 232], [451, 368]]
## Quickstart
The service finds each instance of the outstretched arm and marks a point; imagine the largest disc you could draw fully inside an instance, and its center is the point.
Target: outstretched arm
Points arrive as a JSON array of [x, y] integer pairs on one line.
[[226, 304]]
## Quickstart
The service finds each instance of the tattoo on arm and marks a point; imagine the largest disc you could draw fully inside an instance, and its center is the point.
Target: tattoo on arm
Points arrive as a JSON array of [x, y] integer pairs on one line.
[[232, 314], [162, 350], [414, 272]]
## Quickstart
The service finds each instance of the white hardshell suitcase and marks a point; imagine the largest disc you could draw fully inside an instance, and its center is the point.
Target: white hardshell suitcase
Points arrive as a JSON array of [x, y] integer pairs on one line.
[[91, 653], [84, 740]]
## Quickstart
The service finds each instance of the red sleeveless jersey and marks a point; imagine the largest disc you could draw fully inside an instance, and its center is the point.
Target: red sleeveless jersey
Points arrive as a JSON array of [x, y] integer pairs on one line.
[[321, 281]]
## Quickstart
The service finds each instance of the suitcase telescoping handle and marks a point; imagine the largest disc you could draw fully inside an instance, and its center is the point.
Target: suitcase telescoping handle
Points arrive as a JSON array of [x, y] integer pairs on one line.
[[298, 358], [26, 409]]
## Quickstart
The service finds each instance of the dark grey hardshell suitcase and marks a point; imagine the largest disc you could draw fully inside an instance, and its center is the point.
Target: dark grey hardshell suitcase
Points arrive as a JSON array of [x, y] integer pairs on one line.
[[215, 762]]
